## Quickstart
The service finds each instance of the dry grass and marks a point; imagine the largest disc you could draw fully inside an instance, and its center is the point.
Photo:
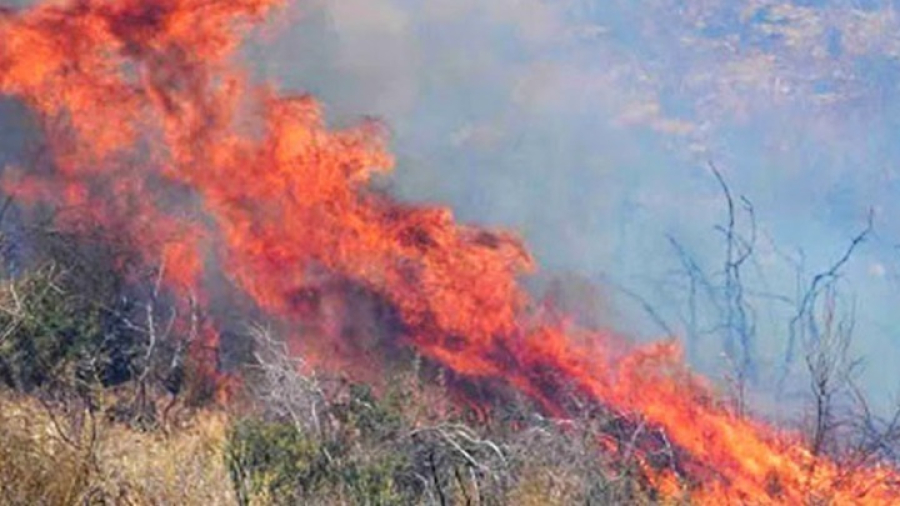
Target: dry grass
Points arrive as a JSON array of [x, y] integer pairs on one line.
[[50, 459], [70, 461]]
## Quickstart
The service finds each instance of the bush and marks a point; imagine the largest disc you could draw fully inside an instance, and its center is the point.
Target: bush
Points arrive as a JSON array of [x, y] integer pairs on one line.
[[320, 441], [83, 315], [272, 460], [278, 463], [49, 331]]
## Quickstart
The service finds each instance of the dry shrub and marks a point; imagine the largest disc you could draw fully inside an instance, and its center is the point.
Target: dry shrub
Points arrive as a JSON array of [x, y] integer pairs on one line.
[[37, 466], [45, 459]]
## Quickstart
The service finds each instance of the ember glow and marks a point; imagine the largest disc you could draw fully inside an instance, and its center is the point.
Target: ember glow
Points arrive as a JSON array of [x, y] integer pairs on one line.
[[154, 130]]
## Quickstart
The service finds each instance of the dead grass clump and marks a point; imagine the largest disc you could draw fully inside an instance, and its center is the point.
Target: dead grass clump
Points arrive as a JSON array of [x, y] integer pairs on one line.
[[48, 459]]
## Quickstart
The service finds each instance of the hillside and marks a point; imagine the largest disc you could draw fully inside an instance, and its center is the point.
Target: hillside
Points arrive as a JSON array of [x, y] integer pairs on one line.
[[208, 296]]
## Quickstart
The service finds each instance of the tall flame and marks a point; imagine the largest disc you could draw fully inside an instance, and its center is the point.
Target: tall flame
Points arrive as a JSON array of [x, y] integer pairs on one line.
[[156, 132]]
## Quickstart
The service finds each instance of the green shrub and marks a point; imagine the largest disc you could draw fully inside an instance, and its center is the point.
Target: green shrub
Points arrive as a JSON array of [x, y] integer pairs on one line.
[[49, 332], [271, 459], [273, 462]]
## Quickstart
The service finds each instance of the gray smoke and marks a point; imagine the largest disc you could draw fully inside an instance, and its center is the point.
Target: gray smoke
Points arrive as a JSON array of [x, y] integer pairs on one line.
[[586, 126]]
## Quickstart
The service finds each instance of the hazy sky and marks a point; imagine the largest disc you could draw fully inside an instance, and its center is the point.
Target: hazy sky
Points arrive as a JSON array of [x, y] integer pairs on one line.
[[587, 126]]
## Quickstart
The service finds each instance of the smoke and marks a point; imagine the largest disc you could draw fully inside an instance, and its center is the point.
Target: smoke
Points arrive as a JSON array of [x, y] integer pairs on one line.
[[587, 126]]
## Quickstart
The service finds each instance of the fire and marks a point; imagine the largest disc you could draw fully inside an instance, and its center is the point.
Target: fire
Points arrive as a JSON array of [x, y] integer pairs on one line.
[[155, 131]]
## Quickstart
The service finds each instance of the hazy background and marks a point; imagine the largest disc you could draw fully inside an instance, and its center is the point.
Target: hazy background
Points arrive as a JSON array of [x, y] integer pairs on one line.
[[587, 126]]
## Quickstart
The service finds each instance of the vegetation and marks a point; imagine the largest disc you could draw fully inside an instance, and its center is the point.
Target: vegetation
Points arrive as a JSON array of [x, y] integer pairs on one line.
[[103, 400], [102, 403], [84, 458]]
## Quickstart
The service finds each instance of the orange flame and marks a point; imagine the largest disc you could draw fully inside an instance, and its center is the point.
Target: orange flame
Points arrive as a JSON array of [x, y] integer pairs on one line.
[[155, 132]]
